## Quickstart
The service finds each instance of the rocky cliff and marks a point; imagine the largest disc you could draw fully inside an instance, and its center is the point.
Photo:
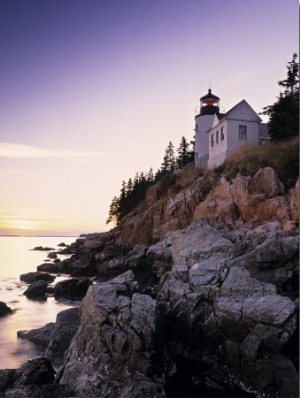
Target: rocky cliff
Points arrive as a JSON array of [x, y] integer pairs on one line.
[[194, 293], [243, 200]]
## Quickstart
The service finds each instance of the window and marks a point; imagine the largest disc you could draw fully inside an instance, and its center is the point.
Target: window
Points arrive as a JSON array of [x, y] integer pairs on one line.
[[242, 132], [222, 134], [217, 136], [212, 140], [196, 127]]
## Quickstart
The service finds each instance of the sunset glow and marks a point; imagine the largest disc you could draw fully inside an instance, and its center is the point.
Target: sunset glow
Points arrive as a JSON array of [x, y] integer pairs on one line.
[[23, 224]]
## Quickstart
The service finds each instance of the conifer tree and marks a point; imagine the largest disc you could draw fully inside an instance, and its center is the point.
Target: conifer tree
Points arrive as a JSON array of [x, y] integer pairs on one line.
[[291, 83], [168, 164], [183, 153], [284, 113], [150, 176], [113, 213]]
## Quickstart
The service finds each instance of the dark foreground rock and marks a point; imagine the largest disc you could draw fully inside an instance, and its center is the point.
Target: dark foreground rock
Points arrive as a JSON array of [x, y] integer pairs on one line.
[[65, 327], [35, 379], [55, 337], [213, 322], [39, 391], [31, 277], [4, 309], [57, 267], [74, 288], [115, 358], [35, 371], [37, 290], [42, 248], [40, 336]]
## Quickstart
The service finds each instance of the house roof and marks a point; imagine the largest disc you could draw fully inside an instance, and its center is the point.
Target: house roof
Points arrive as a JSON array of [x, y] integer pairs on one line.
[[245, 104], [241, 111]]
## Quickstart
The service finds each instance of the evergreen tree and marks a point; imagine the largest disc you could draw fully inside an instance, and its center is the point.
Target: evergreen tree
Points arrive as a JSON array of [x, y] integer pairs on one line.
[[169, 161], [184, 154], [150, 176], [129, 186], [123, 200], [113, 213], [291, 83], [284, 113]]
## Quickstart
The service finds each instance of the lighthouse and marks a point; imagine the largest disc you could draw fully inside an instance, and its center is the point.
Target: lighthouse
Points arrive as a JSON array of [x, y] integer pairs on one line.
[[205, 114], [219, 134]]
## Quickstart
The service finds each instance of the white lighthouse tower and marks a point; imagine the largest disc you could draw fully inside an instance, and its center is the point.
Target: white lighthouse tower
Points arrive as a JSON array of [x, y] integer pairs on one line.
[[209, 107]]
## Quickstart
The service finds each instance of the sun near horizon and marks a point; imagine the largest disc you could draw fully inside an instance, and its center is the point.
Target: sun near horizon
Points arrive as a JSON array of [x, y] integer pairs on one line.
[[28, 227]]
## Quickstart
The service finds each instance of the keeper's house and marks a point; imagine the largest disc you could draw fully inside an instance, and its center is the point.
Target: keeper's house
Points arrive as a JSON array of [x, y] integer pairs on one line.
[[218, 134]]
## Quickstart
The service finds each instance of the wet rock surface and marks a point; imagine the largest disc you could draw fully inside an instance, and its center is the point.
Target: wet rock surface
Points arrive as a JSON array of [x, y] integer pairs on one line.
[[31, 277], [35, 378], [4, 309], [64, 329], [74, 288], [40, 336], [37, 290]]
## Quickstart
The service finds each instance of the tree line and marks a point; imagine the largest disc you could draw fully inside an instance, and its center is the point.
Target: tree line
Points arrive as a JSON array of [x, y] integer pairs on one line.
[[134, 190]]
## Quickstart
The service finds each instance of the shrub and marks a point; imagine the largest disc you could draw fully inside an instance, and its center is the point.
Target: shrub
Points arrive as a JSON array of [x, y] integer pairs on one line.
[[283, 157]]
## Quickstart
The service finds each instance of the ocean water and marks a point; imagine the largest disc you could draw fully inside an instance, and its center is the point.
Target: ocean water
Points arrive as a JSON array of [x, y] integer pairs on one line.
[[16, 258]]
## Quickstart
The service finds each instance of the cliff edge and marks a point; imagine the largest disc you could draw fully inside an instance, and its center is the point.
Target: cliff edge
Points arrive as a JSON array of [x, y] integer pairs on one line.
[[193, 294]]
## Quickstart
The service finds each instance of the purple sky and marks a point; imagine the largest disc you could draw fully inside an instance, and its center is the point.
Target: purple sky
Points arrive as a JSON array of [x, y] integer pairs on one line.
[[93, 91]]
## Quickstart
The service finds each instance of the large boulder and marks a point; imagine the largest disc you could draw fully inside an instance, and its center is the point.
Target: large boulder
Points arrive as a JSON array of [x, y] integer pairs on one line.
[[35, 371], [4, 309], [37, 290], [35, 379], [209, 303], [65, 326], [253, 200], [40, 336], [7, 378], [112, 351], [55, 267], [55, 337], [74, 288], [31, 277], [267, 182]]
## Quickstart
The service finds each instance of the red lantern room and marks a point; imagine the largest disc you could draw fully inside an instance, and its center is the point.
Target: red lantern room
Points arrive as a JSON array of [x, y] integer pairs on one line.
[[209, 104]]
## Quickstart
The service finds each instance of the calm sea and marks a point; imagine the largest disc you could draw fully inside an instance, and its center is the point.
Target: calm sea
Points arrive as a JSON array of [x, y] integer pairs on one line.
[[16, 258]]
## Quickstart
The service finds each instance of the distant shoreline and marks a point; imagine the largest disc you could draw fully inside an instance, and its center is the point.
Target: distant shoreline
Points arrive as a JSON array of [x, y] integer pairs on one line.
[[39, 236]]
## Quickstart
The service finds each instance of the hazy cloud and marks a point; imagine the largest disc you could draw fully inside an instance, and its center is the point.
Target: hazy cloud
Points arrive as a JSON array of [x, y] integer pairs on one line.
[[20, 174], [238, 78], [28, 152]]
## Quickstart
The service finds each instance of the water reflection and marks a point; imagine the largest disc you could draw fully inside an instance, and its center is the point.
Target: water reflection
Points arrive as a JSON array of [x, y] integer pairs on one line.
[[17, 258]]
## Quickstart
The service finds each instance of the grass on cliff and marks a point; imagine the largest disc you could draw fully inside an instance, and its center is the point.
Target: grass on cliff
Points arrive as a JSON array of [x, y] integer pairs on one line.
[[170, 184], [283, 157]]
